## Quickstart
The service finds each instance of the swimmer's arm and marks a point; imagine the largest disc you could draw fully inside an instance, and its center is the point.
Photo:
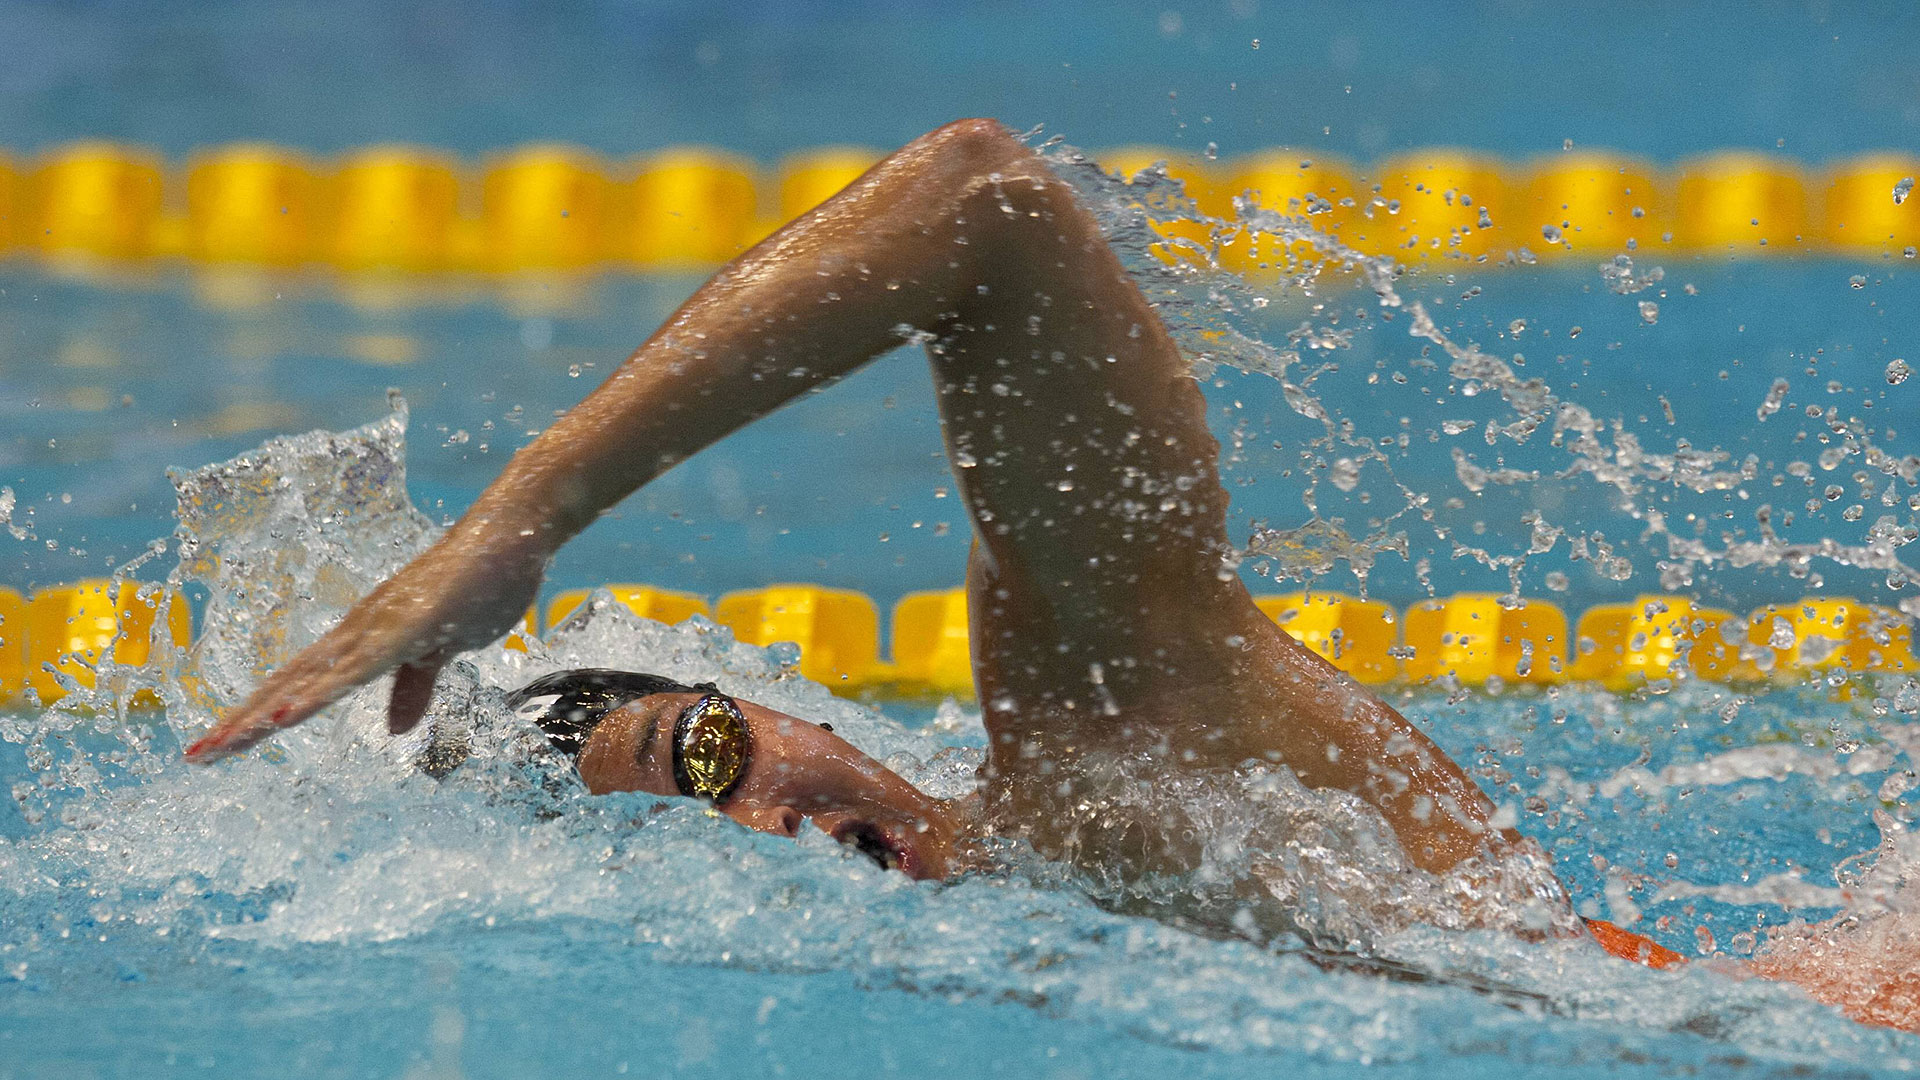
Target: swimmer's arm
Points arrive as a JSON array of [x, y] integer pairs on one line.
[[810, 304]]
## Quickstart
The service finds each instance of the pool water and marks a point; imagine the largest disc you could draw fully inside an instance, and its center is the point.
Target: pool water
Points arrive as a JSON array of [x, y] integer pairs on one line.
[[325, 907], [325, 904], [322, 907]]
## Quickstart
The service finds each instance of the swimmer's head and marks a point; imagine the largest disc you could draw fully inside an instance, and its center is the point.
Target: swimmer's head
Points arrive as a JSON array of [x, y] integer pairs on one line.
[[770, 771]]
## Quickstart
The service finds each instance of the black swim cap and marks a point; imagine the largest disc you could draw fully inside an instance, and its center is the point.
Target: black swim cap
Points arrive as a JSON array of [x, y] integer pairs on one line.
[[568, 705]]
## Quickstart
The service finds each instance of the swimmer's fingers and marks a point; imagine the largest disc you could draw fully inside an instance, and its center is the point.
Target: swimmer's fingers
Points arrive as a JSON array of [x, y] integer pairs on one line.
[[459, 594], [412, 692], [281, 702], [321, 674]]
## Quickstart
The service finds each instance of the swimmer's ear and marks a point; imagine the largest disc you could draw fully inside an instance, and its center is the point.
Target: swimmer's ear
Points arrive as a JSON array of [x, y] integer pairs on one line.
[[412, 692]]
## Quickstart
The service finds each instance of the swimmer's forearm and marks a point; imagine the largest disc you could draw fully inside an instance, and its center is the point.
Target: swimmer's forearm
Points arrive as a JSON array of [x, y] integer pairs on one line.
[[813, 302], [828, 293]]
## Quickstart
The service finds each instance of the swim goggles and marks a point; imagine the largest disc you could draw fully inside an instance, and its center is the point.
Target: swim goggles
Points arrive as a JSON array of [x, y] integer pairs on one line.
[[710, 748]]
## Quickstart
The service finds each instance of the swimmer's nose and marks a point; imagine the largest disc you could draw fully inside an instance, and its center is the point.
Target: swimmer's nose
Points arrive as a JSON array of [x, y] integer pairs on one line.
[[778, 820]]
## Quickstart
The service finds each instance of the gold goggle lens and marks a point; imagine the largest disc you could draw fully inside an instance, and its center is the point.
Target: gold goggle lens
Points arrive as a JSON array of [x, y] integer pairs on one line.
[[709, 748]]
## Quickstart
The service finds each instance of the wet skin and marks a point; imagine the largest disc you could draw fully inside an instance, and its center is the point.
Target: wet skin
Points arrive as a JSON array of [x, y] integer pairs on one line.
[[1107, 622], [795, 770]]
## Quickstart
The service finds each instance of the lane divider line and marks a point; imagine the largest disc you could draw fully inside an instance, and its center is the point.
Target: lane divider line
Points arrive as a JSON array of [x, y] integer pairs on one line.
[[554, 209], [1470, 639]]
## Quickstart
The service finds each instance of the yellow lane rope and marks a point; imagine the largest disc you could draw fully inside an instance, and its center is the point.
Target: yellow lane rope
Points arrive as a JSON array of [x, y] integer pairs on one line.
[[63, 633], [558, 209]]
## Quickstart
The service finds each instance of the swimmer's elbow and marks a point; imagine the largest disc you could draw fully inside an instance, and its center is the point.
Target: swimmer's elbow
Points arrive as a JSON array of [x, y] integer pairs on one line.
[[980, 145]]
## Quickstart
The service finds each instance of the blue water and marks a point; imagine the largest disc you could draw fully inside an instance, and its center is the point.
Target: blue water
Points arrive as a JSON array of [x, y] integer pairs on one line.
[[102, 387], [320, 911], [1813, 80]]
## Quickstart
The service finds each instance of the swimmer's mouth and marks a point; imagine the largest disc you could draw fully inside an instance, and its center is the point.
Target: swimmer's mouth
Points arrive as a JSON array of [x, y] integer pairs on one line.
[[868, 840]]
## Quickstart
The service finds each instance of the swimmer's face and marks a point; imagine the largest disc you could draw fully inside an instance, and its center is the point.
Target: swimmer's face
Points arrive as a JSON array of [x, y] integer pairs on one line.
[[794, 770]]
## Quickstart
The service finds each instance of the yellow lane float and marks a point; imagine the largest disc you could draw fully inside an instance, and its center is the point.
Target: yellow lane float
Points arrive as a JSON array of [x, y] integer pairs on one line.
[[932, 645], [1476, 638], [543, 208], [96, 200], [1861, 216], [1321, 191], [1437, 204], [1820, 633], [12, 207], [396, 208], [1589, 204], [552, 208], [253, 203], [73, 629], [1356, 636], [838, 630], [13, 643], [1741, 202], [685, 209], [1654, 638], [811, 178]]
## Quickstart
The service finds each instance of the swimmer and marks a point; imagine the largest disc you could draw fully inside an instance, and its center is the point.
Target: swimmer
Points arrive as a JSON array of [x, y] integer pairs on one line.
[[1108, 623]]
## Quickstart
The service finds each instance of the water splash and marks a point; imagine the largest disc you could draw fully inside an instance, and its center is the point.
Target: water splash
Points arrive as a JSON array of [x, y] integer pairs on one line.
[[1214, 315], [14, 529], [337, 835]]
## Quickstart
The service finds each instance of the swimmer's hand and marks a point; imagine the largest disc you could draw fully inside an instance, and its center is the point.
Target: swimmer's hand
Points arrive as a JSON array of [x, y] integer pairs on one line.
[[462, 593]]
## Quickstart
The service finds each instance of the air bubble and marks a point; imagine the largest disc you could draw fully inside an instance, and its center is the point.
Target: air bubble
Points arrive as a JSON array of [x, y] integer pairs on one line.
[[1897, 372]]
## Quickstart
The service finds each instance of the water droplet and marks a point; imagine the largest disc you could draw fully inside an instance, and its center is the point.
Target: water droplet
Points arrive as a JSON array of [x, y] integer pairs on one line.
[[1551, 233], [1344, 474], [1649, 312], [1256, 43], [537, 334], [1213, 151], [573, 371], [1776, 394], [1897, 371], [1858, 281], [1902, 189]]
